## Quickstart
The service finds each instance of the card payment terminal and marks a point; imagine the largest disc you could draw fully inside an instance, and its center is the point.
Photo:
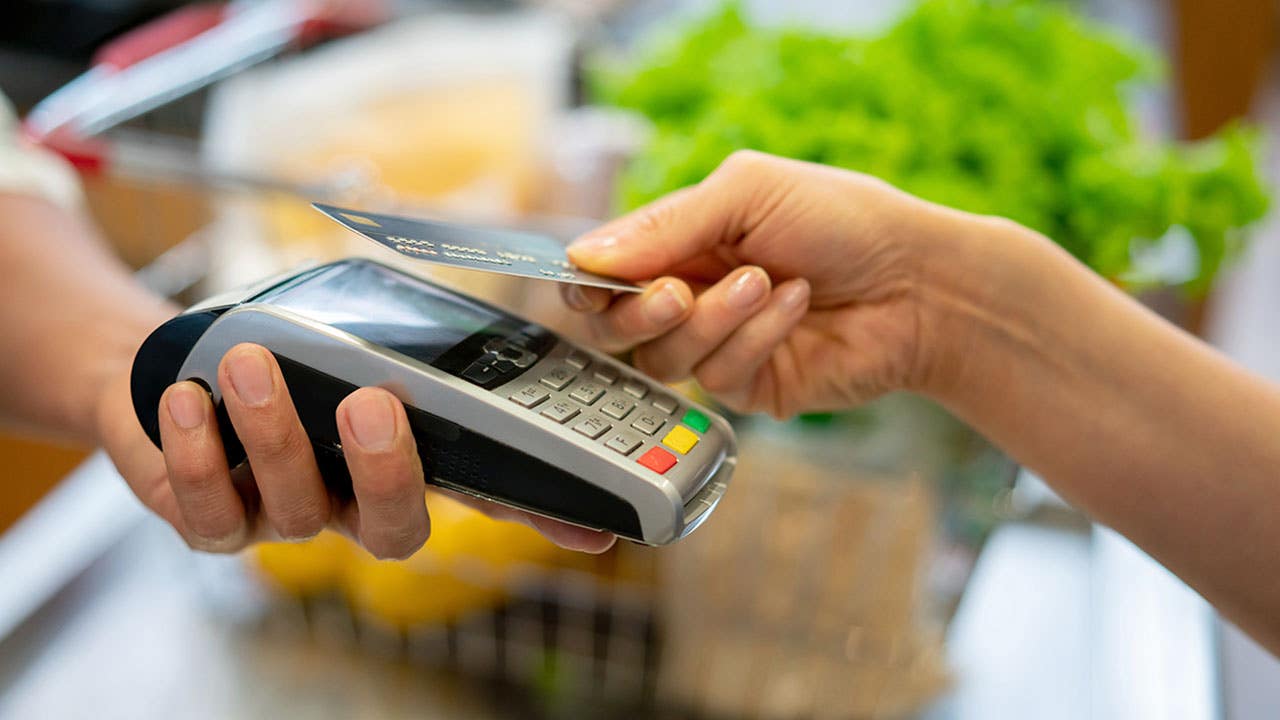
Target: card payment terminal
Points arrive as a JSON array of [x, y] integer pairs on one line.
[[501, 408]]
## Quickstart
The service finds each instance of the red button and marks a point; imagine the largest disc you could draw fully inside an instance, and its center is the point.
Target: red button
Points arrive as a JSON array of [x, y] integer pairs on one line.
[[658, 460]]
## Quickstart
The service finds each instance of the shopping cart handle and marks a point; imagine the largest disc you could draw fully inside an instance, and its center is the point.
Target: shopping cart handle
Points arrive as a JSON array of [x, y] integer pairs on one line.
[[182, 52], [327, 19], [164, 32], [335, 18]]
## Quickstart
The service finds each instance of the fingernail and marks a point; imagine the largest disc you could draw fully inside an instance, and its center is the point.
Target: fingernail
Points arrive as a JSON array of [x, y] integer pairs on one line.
[[795, 295], [575, 298], [250, 376], [593, 244], [665, 305], [373, 421], [186, 405], [749, 289]]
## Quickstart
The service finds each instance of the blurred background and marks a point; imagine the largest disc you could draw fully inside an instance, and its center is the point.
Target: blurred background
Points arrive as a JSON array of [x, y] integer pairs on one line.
[[939, 580]]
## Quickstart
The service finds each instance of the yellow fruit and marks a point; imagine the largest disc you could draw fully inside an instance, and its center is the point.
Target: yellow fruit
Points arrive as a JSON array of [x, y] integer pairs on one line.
[[465, 566], [306, 568]]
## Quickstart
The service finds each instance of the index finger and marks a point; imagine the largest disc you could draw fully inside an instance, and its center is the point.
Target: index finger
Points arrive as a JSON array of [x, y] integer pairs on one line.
[[634, 319], [678, 227]]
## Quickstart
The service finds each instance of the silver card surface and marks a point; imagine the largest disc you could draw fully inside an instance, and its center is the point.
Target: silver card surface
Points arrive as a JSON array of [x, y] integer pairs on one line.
[[508, 252]]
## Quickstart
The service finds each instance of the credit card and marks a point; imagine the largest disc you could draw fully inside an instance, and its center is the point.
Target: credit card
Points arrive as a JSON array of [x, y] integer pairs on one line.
[[509, 252]]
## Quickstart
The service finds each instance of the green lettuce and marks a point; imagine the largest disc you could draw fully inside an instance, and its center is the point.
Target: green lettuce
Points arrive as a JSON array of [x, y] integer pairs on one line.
[[1018, 108]]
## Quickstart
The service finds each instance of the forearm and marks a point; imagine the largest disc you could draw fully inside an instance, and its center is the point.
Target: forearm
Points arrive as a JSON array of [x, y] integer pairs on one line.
[[1139, 424], [72, 316]]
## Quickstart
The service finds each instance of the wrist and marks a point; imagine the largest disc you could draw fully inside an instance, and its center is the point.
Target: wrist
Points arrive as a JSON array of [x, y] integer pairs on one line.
[[91, 406], [985, 286]]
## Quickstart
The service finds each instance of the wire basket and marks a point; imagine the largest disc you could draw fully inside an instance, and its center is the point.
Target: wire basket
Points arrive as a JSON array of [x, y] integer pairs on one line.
[[813, 592]]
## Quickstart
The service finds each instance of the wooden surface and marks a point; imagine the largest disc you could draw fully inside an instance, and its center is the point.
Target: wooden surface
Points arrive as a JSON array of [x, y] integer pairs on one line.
[[31, 468], [1222, 51], [142, 220]]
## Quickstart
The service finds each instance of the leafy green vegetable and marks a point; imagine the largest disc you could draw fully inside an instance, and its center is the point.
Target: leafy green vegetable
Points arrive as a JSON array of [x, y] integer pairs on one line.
[[1016, 108]]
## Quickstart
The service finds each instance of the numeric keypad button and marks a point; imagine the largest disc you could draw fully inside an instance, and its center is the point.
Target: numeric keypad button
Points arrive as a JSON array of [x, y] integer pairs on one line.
[[606, 374], [648, 423], [558, 378], [622, 442], [635, 389], [617, 407], [530, 396], [587, 393], [593, 427], [666, 404], [562, 411]]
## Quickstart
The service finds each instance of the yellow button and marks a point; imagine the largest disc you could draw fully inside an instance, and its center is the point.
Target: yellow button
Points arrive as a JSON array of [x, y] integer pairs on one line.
[[681, 439]]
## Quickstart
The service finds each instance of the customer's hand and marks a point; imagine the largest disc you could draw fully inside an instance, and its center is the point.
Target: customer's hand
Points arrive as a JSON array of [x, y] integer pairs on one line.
[[279, 493], [783, 286]]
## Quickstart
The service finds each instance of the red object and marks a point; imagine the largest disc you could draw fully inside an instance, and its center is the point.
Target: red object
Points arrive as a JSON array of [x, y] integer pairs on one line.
[[88, 155], [159, 35], [334, 18], [57, 121], [658, 460]]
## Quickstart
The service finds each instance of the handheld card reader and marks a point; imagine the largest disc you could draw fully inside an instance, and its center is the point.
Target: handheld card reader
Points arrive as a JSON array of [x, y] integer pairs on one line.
[[501, 408]]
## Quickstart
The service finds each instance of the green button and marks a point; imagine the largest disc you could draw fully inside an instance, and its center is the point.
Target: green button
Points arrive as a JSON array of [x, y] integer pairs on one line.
[[696, 420]]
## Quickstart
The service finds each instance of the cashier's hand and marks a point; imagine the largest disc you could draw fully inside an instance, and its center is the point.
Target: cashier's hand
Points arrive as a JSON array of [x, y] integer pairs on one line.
[[782, 286], [279, 493]]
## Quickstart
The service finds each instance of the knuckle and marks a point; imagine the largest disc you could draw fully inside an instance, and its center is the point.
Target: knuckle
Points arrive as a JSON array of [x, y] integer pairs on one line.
[[304, 518], [213, 518], [278, 446], [744, 163], [191, 470], [703, 334], [999, 223], [652, 218], [386, 490]]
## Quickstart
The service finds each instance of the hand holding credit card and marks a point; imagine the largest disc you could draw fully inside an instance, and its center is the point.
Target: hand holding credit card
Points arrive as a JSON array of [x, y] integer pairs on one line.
[[508, 252]]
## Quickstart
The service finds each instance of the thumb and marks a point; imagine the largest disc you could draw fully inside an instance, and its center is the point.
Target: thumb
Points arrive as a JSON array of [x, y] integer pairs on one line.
[[650, 241]]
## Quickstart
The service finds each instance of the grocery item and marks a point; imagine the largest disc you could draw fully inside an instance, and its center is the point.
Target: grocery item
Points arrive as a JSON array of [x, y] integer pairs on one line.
[[465, 566]]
